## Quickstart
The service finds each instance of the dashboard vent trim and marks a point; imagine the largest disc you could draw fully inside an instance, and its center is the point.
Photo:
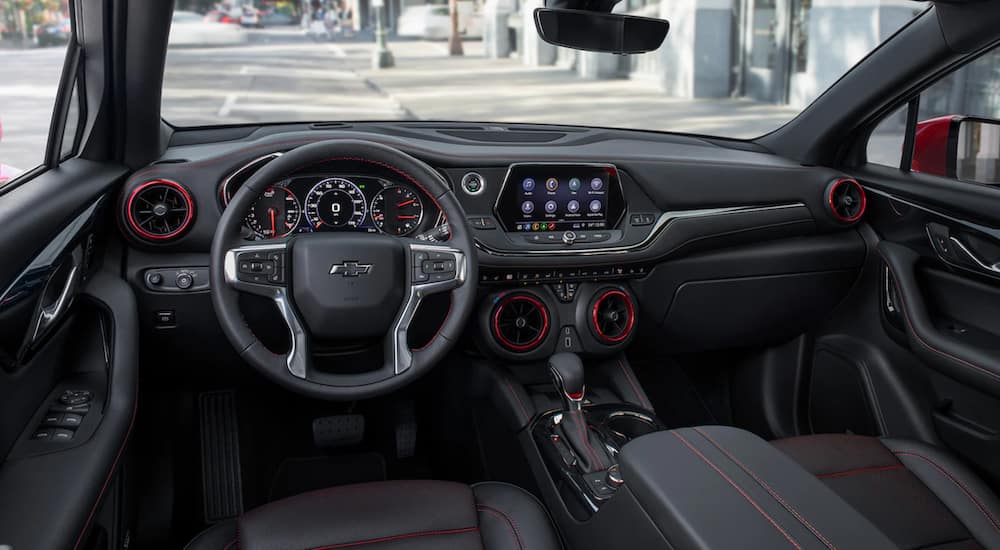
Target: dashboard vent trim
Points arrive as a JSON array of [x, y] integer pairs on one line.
[[846, 200], [520, 322], [159, 210], [612, 316]]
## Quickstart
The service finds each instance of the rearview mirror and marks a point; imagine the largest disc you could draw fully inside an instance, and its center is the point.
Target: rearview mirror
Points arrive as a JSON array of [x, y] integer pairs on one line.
[[600, 32], [963, 148]]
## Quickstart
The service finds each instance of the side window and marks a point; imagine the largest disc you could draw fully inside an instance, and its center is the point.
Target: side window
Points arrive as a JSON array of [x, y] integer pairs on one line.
[[957, 126], [34, 37]]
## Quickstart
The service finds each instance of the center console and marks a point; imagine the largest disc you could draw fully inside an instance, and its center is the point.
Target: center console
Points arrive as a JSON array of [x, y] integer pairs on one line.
[[613, 476]]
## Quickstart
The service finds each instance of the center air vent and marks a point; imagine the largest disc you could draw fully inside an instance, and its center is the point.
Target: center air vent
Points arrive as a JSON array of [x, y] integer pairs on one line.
[[612, 316], [846, 199], [159, 210], [520, 322]]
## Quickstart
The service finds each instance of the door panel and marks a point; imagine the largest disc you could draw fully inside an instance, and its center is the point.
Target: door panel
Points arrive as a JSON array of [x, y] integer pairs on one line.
[[68, 322], [938, 246]]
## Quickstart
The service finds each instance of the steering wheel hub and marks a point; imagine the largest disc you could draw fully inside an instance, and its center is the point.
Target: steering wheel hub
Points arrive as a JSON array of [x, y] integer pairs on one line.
[[348, 285]]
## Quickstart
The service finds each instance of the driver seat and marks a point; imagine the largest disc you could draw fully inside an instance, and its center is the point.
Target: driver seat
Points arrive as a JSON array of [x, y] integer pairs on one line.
[[397, 515]]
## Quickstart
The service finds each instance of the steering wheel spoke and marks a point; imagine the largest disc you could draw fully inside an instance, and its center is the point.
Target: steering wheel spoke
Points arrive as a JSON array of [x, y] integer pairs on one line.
[[433, 269], [263, 270]]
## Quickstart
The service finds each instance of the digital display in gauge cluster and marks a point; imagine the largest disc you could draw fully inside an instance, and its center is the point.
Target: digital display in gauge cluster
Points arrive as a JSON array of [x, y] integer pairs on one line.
[[305, 204]]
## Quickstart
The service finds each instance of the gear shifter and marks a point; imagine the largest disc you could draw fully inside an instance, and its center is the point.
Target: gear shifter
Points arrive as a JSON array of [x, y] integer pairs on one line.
[[568, 378]]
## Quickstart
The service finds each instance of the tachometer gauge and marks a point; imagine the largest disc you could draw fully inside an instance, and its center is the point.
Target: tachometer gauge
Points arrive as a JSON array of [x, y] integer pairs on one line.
[[397, 210], [275, 214], [336, 203]]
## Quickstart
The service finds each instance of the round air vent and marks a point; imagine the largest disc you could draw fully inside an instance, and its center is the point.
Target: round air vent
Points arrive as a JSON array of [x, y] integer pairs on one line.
[[159, 210], [846, 199], [612, 316], [520, 322]]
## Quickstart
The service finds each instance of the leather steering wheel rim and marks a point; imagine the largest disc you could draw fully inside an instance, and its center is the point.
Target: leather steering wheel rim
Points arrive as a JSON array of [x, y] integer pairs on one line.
[[227, 244]]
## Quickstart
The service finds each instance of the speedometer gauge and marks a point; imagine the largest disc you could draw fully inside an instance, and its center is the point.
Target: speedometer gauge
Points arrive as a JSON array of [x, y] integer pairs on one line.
[[336, 203], [275, 214], [397, 210]]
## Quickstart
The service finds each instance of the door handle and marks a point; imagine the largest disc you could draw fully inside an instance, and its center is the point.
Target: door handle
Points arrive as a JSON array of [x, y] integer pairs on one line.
[[964, 253], [50, 313]]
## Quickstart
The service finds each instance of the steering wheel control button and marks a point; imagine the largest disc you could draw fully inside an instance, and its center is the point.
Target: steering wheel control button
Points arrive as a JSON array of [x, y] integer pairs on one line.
[[261, 267], [473, 183]]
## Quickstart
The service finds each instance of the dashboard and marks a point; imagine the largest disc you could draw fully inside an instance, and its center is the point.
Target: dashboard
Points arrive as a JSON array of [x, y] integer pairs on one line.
[[577, 229]]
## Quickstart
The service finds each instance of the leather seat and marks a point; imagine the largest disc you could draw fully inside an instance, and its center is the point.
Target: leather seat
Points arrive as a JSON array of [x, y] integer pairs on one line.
[[397, 515], [917, 495]]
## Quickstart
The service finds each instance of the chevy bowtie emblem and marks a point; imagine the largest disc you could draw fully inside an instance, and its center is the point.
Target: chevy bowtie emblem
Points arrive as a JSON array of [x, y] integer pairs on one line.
[[350, 269]]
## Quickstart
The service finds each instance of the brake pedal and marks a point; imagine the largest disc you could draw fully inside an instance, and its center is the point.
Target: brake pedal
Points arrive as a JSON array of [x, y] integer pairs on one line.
[[221, 475], [340, 430]]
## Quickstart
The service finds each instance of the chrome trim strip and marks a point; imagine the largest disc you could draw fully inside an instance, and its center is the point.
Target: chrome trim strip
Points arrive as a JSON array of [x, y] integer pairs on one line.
[[661, 223], [43, 264], [402, 356], [226, 196], [298, 356]]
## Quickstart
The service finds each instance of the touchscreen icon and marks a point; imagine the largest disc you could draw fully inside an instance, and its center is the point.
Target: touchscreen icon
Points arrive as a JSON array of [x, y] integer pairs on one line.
[[573, 206], [527, 207], [550, 207], [528, 184], [574, 184], [552, 184], [595, 205], [596, 184]]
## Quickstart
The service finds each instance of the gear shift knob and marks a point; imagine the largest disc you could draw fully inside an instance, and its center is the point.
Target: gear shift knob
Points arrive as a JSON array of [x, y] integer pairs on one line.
[[567, 376]]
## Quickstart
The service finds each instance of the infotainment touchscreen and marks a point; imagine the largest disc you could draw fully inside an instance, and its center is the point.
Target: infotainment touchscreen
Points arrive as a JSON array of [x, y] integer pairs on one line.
[[560, 197]]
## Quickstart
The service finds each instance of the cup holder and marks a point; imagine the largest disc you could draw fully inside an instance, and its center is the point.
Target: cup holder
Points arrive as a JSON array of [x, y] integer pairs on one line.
[[628, 425]]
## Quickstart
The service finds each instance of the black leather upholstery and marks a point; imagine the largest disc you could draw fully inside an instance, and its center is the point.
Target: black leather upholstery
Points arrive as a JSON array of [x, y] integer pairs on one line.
[[401, 515], [719, 487], [918, 495]]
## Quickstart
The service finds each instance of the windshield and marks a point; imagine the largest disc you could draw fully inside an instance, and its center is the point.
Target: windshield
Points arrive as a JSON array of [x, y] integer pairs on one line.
[[730, 68]]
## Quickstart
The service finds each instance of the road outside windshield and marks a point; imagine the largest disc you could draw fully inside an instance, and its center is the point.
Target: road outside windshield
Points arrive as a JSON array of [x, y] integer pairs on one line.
[[731, 68], [745, 68]]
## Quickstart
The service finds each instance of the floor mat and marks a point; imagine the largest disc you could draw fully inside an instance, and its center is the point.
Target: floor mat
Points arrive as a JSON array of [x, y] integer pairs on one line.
[[299, 475]]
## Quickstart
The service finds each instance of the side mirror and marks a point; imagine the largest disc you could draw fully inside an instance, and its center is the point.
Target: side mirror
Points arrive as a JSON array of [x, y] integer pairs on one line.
[[963, 148], [600, 32]]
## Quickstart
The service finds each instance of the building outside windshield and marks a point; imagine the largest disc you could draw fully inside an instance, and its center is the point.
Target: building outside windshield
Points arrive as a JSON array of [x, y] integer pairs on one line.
[[728, 68]]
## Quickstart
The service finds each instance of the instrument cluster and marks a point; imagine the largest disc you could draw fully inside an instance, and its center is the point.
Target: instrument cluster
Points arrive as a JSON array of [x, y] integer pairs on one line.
[[308, 203]]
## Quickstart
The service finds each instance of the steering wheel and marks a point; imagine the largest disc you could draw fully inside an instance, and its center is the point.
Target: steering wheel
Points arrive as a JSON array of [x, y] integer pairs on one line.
[[343, 285]]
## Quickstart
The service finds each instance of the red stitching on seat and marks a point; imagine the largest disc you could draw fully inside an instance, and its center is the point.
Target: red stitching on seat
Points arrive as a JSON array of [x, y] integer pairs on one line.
[[770, 491], [232, 544], [642, 398], [870, 469], [399, 537], [503, 515], [975, 500], [739, 490]]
